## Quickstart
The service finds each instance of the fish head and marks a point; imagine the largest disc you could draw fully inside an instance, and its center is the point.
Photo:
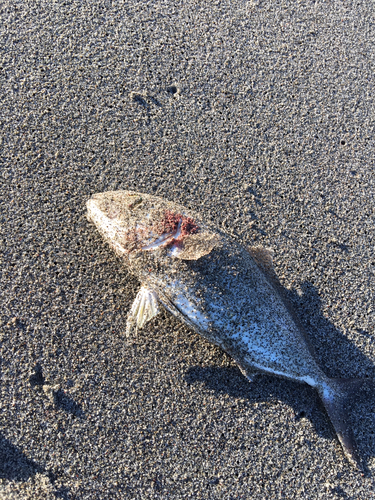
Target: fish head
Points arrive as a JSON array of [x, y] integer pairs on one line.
[[133, 222]]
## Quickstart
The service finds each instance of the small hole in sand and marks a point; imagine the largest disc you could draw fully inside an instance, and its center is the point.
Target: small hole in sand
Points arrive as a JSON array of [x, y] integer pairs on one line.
[[172, 89]]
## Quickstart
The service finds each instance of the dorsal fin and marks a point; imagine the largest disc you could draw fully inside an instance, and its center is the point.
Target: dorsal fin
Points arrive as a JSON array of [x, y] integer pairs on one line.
[[264, 259]]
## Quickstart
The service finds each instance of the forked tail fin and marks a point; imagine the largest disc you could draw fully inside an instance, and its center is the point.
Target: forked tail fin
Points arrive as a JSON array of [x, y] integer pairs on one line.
[[335, 399]]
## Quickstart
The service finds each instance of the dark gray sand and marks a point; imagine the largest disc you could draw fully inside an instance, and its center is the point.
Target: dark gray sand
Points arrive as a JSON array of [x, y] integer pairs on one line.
[[261, 116]]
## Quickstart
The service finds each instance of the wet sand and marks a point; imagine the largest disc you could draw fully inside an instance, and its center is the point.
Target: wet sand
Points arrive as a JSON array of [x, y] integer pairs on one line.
[[259, 116]]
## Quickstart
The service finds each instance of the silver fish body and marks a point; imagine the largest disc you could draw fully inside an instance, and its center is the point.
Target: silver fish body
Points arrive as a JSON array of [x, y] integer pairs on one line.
[[225, 292]]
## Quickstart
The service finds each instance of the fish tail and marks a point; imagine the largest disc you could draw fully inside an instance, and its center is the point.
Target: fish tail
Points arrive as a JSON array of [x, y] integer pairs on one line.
[[335, 397]]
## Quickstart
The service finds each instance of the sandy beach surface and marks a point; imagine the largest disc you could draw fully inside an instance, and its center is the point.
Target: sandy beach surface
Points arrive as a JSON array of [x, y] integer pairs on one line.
[[259, 115]]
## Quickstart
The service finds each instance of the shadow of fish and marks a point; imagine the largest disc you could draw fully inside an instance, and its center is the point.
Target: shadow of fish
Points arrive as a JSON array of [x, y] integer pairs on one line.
[[228, 294]]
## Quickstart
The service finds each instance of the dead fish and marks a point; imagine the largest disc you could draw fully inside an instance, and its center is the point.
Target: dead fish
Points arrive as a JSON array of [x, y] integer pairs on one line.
[[225, 292]]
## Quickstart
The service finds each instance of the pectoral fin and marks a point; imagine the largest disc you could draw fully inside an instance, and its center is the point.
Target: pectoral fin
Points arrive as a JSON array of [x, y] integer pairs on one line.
[[144, 308]]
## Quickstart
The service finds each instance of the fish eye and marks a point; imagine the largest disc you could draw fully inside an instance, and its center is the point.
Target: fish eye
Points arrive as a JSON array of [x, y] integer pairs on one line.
[[134, 201]]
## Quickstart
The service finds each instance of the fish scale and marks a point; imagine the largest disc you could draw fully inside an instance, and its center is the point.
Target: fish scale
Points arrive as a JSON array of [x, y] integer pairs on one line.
[[228, 294], [244, 317]]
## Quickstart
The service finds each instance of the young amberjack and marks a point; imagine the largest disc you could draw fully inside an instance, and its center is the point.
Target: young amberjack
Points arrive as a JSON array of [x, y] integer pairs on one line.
[[225, 292]]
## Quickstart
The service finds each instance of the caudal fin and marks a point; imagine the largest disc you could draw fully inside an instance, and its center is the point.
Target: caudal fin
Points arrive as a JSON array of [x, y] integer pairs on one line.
[[335, 399]]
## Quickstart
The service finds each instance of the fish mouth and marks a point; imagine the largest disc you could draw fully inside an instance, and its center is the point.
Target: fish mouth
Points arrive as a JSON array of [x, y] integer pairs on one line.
[[90, 208]]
